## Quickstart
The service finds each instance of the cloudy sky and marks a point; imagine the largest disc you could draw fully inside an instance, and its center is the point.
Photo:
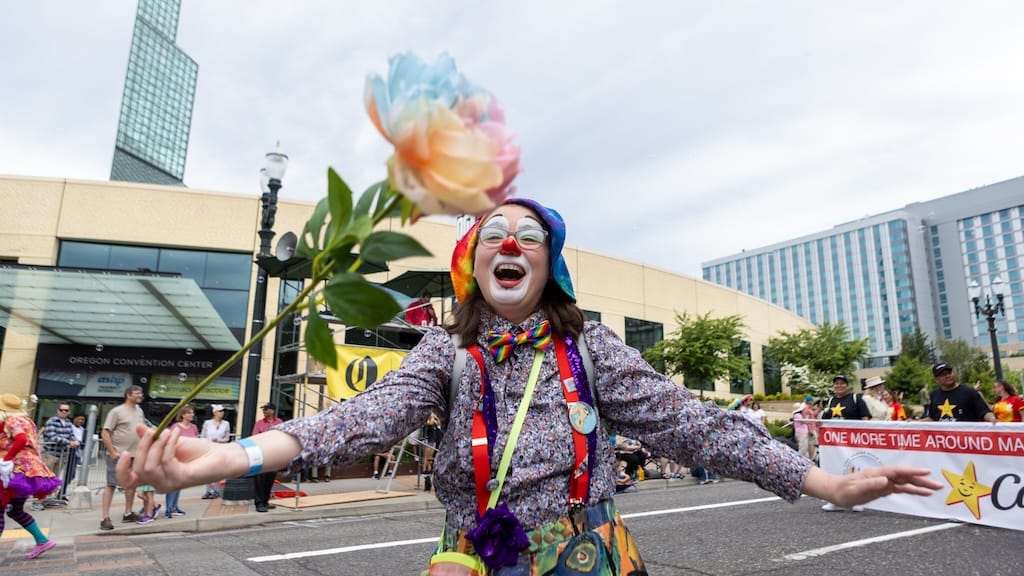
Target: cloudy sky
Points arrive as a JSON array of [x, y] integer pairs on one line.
[[670, 132]]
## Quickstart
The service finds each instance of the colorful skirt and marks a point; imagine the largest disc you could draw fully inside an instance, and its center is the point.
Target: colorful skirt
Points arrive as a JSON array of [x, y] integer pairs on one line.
[[22, 486], [602, 546]]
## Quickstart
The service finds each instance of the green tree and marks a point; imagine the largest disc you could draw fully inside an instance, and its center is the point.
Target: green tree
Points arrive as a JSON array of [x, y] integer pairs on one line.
[[703, 349], [802, 380], [824, 349], [916, 345], [907, 376], [969, 363]]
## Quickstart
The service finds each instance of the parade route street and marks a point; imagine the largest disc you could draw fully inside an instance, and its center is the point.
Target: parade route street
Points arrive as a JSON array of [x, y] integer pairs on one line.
[[729, 528]]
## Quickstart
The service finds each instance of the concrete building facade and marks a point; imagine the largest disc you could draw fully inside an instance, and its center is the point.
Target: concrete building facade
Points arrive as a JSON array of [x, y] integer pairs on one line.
[[205, 242], [887, 274]]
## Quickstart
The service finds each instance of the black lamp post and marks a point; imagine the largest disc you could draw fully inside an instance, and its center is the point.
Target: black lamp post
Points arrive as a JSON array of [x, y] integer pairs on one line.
[[240, 489], [270, 181], [993, 305]]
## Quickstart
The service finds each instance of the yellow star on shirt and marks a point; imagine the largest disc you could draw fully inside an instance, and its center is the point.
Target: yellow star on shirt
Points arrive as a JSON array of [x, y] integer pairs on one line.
[[966, 489], [946, 409], [837, 411]]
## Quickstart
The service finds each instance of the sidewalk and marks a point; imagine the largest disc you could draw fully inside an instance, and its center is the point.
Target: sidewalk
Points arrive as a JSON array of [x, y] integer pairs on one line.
[[348, 497]]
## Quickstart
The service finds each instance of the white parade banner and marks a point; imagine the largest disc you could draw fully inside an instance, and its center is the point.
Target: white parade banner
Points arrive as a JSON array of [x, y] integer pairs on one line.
[[980, 465]]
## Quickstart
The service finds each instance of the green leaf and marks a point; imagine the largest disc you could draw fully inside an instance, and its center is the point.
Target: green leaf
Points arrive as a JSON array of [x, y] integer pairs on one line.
[[408, 210], [312, 240], [387, 246], [342, 256], [358, 302], [319, 340], [339, 199], [387, 194], [357, 231], [370, 199]]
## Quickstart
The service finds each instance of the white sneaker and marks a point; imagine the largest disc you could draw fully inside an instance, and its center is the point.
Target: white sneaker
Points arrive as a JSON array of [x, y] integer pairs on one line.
[[830, 507], [857, 508]]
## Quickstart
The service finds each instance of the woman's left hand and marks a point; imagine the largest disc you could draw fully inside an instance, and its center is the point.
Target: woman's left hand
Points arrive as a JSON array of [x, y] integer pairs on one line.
[[869, 484]]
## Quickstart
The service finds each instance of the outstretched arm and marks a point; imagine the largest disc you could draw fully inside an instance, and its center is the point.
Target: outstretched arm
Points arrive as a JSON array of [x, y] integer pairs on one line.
[[172, 462], [868, 484]]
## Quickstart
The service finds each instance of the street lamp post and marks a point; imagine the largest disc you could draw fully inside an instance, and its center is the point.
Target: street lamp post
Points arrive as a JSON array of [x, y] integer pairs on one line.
[[240, 490], [992, 306], [270, 180]]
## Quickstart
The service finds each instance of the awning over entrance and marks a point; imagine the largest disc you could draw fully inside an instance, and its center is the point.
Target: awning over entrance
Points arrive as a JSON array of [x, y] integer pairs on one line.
[[91, 307]]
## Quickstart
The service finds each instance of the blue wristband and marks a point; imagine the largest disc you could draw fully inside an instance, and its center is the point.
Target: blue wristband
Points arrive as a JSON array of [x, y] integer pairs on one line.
[[255, 454]]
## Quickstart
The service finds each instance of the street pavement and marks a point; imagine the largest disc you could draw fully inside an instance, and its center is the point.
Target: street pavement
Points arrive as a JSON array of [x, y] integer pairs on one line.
[[82, 548]]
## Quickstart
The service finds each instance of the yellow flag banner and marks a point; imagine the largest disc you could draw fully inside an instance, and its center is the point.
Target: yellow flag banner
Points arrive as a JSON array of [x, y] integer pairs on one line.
[[358, 367]]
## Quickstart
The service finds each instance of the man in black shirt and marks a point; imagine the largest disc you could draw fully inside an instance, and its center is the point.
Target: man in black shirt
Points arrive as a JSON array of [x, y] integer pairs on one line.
[[951, 402], [844, 406]]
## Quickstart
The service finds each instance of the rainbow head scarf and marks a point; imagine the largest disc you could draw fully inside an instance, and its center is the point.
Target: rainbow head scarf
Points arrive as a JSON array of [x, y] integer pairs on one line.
[[462, 257]]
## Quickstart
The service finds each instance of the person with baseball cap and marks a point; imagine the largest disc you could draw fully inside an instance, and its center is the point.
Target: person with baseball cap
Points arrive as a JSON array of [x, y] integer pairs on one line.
[[843, 405], [951, 402]]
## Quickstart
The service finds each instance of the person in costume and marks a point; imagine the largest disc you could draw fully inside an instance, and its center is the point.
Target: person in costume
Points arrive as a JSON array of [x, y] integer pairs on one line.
[[524, 332], [22, 471], [1009, 407]]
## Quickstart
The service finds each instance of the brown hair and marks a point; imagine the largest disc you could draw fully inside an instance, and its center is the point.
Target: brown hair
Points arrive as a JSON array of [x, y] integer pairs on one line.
[[186, 408], [565, 316], [1007, 387]]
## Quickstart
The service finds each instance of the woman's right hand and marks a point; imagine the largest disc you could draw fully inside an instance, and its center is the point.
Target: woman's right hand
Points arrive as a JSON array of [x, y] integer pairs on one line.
[[172, 462]]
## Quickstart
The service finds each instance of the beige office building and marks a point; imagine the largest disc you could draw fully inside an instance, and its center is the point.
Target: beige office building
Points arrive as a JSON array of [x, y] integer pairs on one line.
[[107, 284]]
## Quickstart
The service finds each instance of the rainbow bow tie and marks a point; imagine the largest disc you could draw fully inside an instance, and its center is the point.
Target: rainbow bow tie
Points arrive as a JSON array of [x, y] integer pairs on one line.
[[501, 344]]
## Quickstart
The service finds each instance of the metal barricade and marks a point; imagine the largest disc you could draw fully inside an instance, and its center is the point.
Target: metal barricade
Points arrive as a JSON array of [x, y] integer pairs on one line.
[[62, 460], [85, 465]]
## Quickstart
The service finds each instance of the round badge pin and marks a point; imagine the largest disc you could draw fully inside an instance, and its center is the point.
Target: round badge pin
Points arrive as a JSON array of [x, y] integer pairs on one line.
[[582, 417]]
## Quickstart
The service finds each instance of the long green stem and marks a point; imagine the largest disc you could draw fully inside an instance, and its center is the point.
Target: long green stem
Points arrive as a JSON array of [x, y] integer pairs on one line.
[[294, 305], [318, 276]]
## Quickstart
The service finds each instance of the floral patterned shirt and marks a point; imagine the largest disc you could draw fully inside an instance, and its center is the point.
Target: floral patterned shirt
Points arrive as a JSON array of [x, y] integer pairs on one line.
[[633, 400]]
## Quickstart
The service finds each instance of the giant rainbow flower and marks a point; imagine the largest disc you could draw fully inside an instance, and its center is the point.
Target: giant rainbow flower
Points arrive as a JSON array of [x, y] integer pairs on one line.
[[453, 153]]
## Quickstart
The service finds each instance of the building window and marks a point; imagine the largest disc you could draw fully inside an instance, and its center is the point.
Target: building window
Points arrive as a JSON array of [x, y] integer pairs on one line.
[[772, 373], [591, 315], [224, 277], [641, 334], [738, 385]]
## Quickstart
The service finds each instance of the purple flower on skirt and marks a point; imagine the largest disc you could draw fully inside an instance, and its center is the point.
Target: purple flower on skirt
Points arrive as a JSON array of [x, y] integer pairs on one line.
[[498, 537]]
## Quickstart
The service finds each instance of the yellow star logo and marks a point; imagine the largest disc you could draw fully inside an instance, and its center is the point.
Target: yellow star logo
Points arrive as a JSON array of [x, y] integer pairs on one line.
[[946, 409], [966, 489], [837, 411]]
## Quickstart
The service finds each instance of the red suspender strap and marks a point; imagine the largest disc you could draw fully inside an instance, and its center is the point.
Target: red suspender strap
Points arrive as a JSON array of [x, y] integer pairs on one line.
[[579, 481], [481, 460]]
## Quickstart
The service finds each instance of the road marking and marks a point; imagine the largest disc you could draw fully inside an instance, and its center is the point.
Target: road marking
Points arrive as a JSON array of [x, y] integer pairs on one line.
[[866, 541], [329, 551], [701, 507]]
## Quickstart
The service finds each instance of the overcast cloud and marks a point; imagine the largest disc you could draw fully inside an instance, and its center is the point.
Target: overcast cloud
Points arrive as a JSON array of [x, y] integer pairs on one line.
[[667, 132]]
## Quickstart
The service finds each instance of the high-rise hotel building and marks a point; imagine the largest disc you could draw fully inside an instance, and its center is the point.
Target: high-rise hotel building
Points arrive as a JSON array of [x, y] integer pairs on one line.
[[887, 274]]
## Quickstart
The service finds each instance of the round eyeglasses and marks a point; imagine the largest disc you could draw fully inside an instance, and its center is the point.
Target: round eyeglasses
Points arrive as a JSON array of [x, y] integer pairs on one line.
[[528, 238]]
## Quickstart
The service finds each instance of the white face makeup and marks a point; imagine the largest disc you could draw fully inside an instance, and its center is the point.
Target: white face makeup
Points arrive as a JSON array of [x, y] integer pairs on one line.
[[510, 278]]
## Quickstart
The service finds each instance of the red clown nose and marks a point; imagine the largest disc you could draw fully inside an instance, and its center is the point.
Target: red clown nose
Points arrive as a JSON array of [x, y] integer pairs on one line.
[[510, 246]]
